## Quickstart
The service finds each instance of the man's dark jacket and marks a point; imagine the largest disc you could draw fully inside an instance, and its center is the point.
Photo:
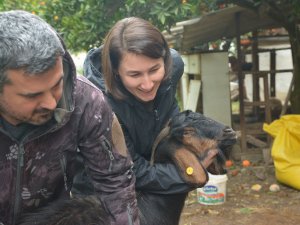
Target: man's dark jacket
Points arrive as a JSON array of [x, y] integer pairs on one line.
[[40, 167]]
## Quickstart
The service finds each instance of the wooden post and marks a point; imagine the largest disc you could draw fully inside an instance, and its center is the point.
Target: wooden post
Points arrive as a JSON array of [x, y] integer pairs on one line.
[[241, 84], [255, 69], [272, 74]]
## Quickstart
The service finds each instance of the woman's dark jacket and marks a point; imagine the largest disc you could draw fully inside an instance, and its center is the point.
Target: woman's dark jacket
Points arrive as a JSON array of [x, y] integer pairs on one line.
[[141, 126]]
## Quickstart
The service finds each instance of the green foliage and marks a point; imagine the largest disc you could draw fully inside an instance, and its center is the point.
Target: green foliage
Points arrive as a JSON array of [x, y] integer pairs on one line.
[[163, 14], [84, 23]]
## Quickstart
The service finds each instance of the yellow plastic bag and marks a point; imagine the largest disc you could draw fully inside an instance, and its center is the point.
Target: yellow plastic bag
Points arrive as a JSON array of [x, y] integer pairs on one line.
[[286, 149]]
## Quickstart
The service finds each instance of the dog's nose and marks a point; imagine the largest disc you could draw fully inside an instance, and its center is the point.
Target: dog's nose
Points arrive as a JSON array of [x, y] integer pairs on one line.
[[229, 133], [228, 130]]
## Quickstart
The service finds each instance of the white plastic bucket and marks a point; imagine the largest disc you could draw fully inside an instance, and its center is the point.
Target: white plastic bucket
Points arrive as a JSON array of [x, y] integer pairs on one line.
[[214, 191]]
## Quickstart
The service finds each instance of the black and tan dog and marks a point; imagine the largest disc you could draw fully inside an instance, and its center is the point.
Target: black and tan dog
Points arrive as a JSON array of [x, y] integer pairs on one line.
[[192, 142]]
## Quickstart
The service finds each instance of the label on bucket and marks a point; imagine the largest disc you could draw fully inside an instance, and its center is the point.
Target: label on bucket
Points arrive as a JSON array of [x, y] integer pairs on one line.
[[214, 192], [209, 195]]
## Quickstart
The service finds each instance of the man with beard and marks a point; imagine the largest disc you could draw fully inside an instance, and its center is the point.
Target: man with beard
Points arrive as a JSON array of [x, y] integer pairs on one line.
[[49, 116]]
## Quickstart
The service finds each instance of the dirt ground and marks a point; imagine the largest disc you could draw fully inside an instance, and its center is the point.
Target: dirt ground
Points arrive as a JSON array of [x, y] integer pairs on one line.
[[246, 206]]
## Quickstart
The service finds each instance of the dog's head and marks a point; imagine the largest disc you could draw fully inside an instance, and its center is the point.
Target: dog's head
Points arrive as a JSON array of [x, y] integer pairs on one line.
[[193, 138]]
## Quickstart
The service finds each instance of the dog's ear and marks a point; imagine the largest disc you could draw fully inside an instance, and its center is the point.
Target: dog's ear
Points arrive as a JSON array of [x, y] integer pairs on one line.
[[189, 167]]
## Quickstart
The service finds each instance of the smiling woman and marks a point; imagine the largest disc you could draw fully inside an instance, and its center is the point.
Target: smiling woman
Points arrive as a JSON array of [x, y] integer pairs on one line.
[[139, 74]]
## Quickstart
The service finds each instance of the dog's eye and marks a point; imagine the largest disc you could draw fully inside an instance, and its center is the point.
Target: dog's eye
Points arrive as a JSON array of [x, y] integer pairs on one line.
[[189, 130]]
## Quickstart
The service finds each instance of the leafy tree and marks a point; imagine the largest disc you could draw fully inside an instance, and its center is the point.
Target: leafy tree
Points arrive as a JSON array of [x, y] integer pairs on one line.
[[287, 13], [84, 23]]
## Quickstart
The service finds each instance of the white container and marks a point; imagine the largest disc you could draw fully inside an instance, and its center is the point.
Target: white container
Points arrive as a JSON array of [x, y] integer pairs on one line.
[[214, 191]]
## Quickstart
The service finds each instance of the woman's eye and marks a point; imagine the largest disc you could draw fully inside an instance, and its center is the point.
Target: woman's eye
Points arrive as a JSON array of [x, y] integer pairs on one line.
[[154, 70], [134, 74]]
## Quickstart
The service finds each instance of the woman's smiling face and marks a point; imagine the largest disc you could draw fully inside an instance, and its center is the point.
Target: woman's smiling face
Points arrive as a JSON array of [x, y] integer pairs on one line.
[[141, 75]]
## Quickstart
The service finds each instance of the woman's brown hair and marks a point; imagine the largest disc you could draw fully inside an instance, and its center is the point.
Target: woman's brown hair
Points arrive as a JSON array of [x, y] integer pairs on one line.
[[134, 35]]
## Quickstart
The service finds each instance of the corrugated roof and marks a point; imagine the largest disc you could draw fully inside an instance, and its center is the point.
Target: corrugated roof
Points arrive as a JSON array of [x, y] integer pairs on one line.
[[216, 25]]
